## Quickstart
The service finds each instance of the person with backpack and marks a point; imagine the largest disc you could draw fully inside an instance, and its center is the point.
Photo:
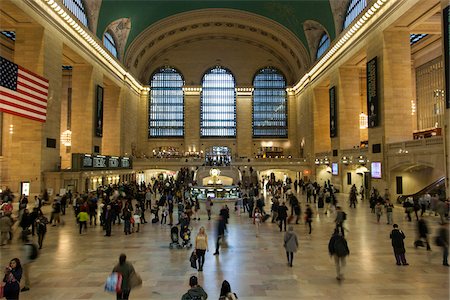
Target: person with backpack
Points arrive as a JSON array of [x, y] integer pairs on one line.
[[338, 248], [196, 292], [30, 253], [397, 237]]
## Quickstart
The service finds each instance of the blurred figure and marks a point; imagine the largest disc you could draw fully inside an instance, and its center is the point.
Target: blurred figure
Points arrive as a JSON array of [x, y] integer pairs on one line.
[[442, 241], [422, 230], [282, 216], [5, 228], [226, 293], [397, 236], [389, 212], [220, 233], [341, 216], [338, 248], [41, 227], [308, 217], [290, 244]]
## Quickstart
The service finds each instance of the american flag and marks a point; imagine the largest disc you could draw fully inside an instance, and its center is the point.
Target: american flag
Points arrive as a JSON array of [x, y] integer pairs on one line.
[[22, 93]]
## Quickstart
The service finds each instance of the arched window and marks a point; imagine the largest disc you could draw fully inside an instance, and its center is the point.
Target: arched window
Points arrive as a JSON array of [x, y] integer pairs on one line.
[[218, 104], [76, 7], [355, 7], [324, 43], [269, 104], [166, 107], [109, 43]]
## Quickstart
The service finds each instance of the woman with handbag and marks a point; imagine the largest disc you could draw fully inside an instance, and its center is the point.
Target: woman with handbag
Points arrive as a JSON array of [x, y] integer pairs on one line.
[[201, 246], [13, 274]]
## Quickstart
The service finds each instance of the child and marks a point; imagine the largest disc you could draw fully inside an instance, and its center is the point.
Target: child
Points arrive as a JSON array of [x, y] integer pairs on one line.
[[164, 214], [137, 217], [378, 211]]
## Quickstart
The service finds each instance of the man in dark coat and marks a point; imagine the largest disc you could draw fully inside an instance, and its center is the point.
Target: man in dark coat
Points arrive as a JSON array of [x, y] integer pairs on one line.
[[397, 237], [220, 233], [282, 215], [338, 248]]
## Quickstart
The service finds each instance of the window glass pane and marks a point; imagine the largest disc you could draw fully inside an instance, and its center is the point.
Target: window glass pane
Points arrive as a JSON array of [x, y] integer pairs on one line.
[[218, 104], [76, 7], [355, 7], [324, 43], [415, 38], [269, 104], [166, 109], [109, 43]]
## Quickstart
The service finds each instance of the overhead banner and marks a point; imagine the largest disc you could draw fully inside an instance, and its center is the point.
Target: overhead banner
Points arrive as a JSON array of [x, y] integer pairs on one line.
[[446, 16], [99, 112], [372, 93], [333, 112]]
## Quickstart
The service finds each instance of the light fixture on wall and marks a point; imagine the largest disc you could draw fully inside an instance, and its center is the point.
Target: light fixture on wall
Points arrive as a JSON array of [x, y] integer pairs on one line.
[[66, 138], [363, 121], [413, 107]]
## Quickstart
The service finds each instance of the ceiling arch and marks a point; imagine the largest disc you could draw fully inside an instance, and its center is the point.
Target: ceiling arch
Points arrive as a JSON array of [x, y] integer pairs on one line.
[[313, 32], [242, 32], [290, 13]]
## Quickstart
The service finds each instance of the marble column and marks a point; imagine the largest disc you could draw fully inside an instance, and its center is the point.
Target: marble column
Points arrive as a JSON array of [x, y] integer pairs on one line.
[[244, 129], [192, 118], [26, 154], [85, 79], [112, 107], [322, 141]]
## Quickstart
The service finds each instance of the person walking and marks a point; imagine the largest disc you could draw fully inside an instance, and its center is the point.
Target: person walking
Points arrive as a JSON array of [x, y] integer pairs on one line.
[[290, 244], [397, 237], [30, 253], [83, 217], [378, 211], [220, 233], [422, 229], [108, 218], [208, 205], [338, 248], [125, 269], [195, 291], [201, 246], [257, 218], [13, 275], [41, 228], [341, 216], [137, 216], [282, 216], [308, 217], [226, 293], [442, 241], [6, 224], [389, 212]]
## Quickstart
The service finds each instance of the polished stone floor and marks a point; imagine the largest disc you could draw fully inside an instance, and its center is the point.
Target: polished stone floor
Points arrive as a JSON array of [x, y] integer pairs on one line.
[[73, 266]]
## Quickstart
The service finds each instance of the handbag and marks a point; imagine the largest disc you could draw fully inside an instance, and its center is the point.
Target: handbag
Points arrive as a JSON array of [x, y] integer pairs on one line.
[[2, 287], [135, 280], [193, 260]]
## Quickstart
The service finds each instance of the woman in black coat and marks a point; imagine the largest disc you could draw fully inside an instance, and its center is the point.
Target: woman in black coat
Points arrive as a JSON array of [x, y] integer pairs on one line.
[[13, 274]]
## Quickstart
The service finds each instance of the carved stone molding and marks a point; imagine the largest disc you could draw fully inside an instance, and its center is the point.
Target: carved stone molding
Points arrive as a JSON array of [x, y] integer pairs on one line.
[[313, 32], [120, 29], [339, 9]]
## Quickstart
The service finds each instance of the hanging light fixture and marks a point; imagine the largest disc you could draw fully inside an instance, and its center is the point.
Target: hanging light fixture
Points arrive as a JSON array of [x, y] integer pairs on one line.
[[363, 121], [66, 138]]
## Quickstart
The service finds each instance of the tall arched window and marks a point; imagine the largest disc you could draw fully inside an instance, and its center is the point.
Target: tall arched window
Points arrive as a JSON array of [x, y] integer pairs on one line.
[[324, 43], [109, 43], [218, 104], [269, 104], [166, 107], [76, 7], [355, 7]]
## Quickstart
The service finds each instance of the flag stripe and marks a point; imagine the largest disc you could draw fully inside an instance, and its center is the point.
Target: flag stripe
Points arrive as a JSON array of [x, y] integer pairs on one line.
[[29, 88], [21, 113], [34, 83], [32, 94], [22, 95], [33, 75], [20, 105], [6, 95]]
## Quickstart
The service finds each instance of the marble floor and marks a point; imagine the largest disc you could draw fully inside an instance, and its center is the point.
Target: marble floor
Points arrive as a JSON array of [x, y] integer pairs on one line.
[[73, 266]]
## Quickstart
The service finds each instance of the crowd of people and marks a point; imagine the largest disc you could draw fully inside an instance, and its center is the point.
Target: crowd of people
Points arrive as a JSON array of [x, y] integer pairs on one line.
[[127, 204]]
